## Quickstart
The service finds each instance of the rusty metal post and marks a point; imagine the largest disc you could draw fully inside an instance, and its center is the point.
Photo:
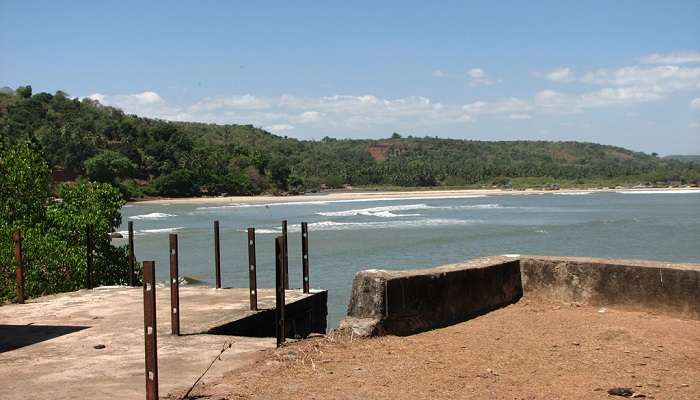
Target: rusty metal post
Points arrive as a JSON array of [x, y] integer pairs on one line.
[[149, 325], [217, 255], [279, 292], [132, 259], [89, 250], [19, 267], [174, 287], [305, 256], [252, 266], [286, 259]]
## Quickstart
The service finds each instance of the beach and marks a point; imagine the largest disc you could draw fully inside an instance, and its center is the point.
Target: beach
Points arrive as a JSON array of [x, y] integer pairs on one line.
[[383, 194]]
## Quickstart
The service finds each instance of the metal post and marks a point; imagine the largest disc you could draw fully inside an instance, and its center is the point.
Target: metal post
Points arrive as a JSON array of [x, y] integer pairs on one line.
[[286, 259], [252, 266], [217, 255], [89, 251], [305, 255], [149, 325], [132, 259], [279, 292], [19, 268], [174, 287]]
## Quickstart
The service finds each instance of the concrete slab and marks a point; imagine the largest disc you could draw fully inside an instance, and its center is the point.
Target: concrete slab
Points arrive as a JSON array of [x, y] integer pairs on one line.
[[48, 345]]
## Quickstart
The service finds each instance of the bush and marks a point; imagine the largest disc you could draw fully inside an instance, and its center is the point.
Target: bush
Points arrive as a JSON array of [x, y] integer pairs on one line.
[[180, 183], [54, 235], [109, 166]]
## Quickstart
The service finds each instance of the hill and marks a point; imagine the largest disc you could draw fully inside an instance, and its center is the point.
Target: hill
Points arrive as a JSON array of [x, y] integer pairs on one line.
[[686, 158], [84, 139]]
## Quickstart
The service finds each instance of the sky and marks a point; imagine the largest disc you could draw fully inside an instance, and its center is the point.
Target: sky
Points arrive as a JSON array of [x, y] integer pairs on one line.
[[624, 73]]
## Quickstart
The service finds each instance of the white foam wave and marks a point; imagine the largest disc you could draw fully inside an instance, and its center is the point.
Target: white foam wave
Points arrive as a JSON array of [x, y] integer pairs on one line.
[[152, 216], [481, 206], [336, 226], [382, 212], [353, 226], [573, 193], [286, 203], [662, 191], [142, 232]]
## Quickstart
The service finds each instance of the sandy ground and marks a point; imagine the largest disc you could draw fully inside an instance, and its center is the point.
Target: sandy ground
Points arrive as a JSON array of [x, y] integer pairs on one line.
[[353, 195], [534, 349]]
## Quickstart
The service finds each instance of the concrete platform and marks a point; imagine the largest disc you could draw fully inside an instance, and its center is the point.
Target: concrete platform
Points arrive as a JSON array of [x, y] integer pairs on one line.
[[50, 347]]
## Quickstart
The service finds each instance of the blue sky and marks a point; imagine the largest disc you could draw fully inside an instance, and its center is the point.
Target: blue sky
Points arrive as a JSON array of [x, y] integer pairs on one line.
[[625, 73]]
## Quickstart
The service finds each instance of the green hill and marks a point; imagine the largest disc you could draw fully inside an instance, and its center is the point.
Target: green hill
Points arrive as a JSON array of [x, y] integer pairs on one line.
[[84, 139]]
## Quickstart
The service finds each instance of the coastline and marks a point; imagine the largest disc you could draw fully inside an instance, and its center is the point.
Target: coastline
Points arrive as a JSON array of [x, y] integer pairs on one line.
[[381, 194]]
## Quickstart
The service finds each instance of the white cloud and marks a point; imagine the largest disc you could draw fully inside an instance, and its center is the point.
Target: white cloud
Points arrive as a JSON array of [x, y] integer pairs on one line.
[[663, 78], [279, 128], [439, 74], [246, 101], [310, 116], [561, 75], [502, 106], [695, 104], [477, 77], [679, 57], [147, 104], [519, 116]]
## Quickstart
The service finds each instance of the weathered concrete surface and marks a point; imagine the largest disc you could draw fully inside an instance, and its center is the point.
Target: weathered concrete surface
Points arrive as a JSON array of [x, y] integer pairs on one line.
[[669, 288], [406, 302], [47, 345]]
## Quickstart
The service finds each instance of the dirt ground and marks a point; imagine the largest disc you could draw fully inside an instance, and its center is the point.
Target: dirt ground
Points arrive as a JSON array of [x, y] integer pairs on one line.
[[535, 349]]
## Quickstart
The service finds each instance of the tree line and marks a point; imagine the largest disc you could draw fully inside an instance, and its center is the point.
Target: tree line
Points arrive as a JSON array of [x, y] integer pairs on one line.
[[82, 139]]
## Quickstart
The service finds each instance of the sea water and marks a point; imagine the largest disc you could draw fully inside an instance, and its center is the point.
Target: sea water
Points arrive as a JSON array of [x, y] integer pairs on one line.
[[347, 236]]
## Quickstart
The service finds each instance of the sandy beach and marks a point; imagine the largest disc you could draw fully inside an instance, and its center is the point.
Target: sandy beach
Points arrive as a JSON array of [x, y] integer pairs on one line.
[[379, 194]]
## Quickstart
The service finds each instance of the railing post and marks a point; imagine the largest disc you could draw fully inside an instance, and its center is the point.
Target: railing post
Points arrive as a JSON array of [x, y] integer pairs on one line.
[[174, 287], [279, 292], [252, 266], [305, 256], [286, 259], [19, 267], [132, 259], [217, 255], [149, 325], [89, 250]]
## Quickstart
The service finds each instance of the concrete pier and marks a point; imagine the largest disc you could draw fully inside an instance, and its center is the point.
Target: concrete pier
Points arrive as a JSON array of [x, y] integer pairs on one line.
[[90, 343]]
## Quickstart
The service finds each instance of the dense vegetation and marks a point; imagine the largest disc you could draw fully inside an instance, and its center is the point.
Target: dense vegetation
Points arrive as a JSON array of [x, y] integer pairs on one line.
[[53, 231], [81, 138]]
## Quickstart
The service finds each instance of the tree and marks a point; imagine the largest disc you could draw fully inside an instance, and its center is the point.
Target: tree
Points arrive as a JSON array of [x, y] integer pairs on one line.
[[279, 173], [180, 183], [395, 135], [24, 92], [24, 186], [108, 166], [54, 232]]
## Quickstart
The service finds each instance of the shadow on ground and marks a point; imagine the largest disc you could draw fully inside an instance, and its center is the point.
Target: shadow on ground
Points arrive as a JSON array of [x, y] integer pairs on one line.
[[13, 337]]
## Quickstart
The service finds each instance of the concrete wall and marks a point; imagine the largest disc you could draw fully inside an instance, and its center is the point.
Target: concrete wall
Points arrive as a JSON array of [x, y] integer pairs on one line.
[[302, 318], [406, 302], [668, 288]]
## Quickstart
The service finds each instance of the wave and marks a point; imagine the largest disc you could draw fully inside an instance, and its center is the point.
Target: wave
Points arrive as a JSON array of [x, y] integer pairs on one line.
[[353, 226], [573, 193], [662, 191], [382, 212], [481, 206], [142, 232], [316, 202], [162, 230], [152, 216]]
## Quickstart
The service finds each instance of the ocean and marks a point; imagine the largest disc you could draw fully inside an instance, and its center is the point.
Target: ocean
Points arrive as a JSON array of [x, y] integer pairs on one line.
[[346, 236]]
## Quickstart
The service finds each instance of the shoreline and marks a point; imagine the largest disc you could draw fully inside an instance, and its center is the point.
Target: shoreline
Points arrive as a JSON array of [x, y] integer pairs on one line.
[[382, 194]]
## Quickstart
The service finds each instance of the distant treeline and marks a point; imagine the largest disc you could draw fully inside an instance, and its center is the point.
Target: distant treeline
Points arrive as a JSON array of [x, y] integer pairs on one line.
[[149, 157]]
